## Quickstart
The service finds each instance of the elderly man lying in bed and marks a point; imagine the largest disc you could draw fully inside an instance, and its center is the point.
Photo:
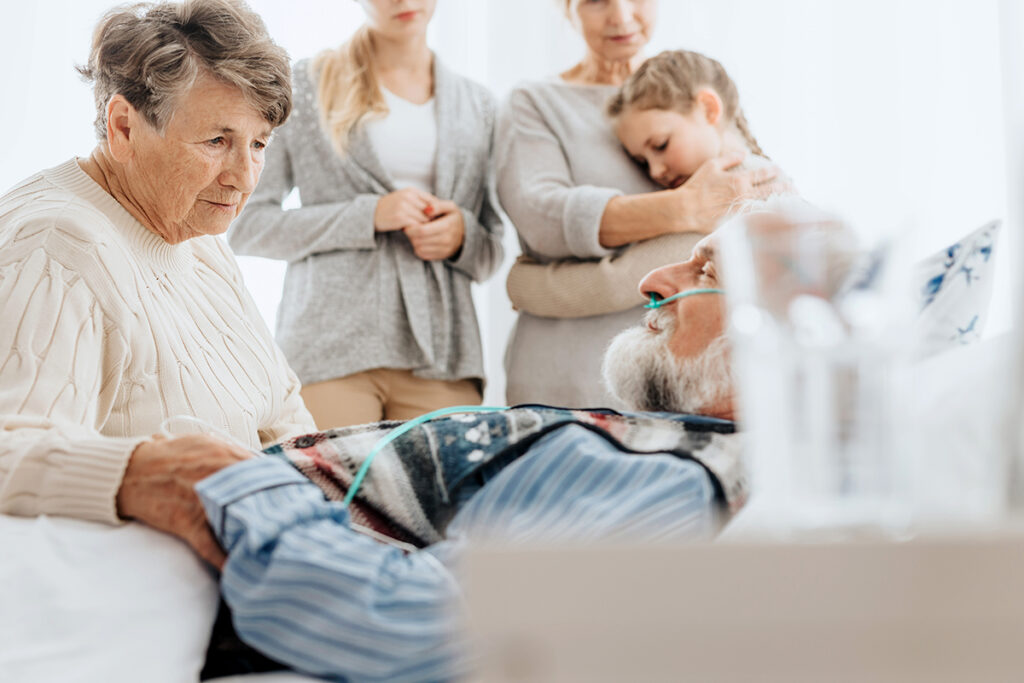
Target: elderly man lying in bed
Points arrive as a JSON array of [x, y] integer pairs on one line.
[[343, 576], [366, 590]]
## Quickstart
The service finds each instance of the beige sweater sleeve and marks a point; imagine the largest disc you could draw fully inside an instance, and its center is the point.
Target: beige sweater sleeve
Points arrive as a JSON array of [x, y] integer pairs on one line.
[[577, 289], [58, 362]]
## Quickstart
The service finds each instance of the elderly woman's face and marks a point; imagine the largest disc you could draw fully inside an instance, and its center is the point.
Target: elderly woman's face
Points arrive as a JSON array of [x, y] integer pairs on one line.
[[616, 30], [195, 178]]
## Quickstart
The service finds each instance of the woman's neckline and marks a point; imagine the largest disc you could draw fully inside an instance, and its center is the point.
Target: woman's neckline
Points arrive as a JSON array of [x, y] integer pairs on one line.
[[557, 79], [391, 94]]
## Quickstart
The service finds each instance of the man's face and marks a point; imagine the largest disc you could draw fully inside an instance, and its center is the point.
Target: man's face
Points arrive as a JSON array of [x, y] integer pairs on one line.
[[678, 359], [687, 326]]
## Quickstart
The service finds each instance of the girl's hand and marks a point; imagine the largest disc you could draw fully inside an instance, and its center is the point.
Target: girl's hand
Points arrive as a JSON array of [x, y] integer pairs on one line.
[[404, 208], [441, 237]]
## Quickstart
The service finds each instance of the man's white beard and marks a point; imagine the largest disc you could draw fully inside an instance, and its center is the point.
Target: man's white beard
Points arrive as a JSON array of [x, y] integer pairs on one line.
[[641, 372]]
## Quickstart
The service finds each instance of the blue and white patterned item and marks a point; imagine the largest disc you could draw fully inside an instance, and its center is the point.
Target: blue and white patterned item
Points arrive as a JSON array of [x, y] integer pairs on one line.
[[955, 287]]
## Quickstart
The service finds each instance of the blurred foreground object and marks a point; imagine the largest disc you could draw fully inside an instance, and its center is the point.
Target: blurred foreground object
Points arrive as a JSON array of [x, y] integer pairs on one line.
[[819, 333]]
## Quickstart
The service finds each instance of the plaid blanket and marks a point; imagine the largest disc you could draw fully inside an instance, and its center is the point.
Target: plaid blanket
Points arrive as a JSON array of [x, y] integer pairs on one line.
[[411, 490]]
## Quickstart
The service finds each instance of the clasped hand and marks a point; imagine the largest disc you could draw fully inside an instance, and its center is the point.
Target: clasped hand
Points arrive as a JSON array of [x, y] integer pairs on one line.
[[435, 227]]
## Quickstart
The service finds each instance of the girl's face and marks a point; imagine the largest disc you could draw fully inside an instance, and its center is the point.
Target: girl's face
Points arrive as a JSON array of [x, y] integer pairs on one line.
[[616, 30], [398, 19], [669, 145]]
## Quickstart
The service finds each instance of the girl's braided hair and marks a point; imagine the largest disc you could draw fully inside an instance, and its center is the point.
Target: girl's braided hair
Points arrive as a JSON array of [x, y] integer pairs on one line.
[[672, 79]]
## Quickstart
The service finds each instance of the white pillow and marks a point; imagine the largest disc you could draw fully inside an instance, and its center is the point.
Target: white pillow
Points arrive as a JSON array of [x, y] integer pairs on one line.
[[89, 602], [955, 287]]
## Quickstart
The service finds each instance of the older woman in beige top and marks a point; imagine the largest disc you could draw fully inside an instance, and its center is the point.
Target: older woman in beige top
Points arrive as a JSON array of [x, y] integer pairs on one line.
[[573, 194]]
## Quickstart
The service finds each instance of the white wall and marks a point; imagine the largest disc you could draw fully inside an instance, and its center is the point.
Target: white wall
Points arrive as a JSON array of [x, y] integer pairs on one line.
[[889, 111]]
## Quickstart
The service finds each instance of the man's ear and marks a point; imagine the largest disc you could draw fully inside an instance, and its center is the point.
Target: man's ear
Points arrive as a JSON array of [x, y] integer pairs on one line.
[[712, 105], [121, 121]]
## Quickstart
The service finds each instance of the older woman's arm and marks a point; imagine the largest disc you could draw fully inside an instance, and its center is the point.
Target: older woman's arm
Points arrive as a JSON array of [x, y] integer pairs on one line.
[[553, 215], [287, 417], [59, 359], [696, 206], [577, 289]]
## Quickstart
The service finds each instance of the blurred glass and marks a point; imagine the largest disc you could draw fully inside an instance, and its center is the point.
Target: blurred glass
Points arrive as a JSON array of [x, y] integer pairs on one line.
[[818, 330]]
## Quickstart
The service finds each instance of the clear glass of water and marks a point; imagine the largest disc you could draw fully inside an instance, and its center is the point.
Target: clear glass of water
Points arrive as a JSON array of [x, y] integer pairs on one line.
[[819, 354]]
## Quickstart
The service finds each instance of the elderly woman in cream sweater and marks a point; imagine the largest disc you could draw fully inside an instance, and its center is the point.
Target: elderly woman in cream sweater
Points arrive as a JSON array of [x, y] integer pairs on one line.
[[121, 307]]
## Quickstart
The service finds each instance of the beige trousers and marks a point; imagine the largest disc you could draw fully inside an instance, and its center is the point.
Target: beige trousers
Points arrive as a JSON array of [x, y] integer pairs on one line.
[[384, 394]]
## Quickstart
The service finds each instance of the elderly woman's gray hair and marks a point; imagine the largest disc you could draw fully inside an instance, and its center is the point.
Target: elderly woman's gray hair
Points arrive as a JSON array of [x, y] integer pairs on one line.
[[151, 53]]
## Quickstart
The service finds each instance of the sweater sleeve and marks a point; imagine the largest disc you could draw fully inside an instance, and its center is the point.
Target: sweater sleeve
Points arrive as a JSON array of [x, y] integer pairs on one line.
[[293, 419], [59, 366], [577, 289], [266, 229], [554, 216], [482, 251], [289, 417]]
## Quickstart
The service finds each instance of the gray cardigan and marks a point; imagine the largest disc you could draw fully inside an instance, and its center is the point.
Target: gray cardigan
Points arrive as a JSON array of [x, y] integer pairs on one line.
[[355, 299], [559, 163]]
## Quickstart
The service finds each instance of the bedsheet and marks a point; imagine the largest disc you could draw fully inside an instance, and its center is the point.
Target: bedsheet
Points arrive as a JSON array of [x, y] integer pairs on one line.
[[81, 601]]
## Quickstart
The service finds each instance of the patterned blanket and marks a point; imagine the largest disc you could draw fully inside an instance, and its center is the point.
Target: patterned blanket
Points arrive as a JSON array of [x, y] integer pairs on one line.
[[411, 490]]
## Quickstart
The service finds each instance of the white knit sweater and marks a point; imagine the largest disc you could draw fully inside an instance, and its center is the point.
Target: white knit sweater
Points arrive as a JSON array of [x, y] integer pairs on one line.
[[105, 331]]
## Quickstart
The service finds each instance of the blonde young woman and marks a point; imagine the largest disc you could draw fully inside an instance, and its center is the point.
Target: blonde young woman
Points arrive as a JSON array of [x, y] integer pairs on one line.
[[573, 194], [390, 153]]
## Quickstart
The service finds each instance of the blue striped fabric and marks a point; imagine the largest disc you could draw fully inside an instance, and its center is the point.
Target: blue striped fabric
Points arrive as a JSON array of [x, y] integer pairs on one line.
[[312, 593]]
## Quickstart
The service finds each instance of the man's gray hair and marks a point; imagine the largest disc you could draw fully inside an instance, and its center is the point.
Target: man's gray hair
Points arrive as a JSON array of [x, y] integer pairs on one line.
[[152, 53]]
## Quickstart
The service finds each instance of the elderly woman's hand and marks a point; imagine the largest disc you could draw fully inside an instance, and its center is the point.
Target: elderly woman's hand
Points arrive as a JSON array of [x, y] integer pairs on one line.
[[158, 487], [718, 186]]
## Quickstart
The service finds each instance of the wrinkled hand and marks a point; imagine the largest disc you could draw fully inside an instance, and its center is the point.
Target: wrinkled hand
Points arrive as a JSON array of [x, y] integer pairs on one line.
[[158, 487], [710, 193], [404, 208], [440, 238]]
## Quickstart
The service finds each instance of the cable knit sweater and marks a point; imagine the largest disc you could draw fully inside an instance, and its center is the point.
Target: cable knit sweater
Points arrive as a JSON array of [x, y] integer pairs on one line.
[[105, 331]]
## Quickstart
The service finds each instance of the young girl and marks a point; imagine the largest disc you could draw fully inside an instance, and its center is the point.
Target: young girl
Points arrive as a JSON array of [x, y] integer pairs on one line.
[[674, 113], [390, 153]]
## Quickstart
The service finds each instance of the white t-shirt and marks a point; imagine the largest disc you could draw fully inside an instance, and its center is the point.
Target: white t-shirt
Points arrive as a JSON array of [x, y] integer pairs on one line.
[[406, 141]]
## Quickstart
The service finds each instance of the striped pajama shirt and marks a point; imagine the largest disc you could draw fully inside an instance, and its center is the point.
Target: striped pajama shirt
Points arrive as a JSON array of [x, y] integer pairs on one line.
[[312, 593]]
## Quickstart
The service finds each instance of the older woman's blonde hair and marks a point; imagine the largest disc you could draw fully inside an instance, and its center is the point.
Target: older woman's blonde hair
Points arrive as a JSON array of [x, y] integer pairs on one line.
[[672, 80], [348, 89], [152, 53]]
